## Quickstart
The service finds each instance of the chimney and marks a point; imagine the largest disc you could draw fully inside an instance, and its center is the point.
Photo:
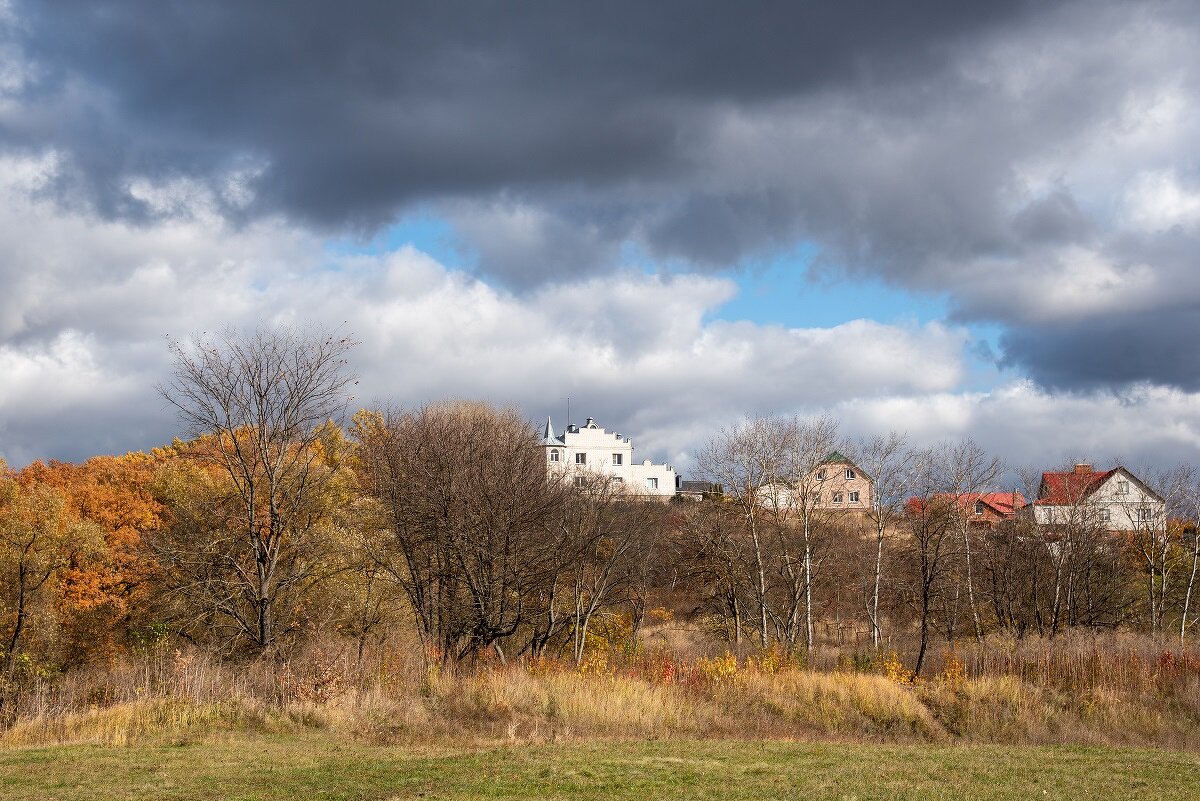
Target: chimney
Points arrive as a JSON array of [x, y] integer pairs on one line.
[[1083, 469]]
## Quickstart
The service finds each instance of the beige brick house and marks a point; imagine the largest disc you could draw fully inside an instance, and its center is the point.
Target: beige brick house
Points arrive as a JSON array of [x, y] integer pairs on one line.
[[835, 484], [841, 484]]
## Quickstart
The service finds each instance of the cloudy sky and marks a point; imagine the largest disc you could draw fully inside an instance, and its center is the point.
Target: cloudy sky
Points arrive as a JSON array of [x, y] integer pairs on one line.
[[943, 218]]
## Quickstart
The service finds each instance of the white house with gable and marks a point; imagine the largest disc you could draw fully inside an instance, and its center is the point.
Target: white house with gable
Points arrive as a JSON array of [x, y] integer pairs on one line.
[[1114, 500], [589, 449]]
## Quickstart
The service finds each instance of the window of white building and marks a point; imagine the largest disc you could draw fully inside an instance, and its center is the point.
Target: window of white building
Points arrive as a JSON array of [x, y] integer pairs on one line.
[[581, 458], [616, 458], [554, 455], [1122, 487], [1143, 515], [652, 483], [1105, 515]]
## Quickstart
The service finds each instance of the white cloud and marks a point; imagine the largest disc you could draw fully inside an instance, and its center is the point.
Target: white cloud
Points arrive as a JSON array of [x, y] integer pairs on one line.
[[81, 330], [1030, 427], [83, 349], [1156, 200]]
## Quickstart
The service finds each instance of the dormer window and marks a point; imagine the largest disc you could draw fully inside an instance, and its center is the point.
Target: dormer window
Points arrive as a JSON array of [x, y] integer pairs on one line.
[[554, 454], [978, 507]]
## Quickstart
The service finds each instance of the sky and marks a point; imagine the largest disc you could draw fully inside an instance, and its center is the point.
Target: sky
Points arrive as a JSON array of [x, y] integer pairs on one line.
[[941, 218]]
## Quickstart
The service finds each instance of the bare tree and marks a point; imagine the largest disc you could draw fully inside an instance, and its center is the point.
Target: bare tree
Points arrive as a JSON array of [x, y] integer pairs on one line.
[[260, 400], [469, 520], [889, 462], [807, 444], [608, 536], [1189, 519], [712, 550], [1145, 516], [1074, 548], [749, 461], [771, 468], [969, 470], [933, 543]]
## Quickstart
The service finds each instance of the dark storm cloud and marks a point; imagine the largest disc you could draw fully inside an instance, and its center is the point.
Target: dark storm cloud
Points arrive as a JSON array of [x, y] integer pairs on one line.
[[1144, 329], [1031, 161], [354, 111], [1106, 352]]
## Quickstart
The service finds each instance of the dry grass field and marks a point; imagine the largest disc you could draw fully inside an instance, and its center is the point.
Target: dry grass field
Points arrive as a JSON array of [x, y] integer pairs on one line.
[[1113, 691]]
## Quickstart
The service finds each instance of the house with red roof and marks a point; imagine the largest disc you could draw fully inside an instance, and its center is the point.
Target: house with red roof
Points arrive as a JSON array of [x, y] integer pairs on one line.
[[989, 508], [982, 509], [1114, 500]]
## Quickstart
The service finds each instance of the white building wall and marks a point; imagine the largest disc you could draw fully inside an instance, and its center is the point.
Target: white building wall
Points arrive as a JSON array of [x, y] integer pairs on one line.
[[1117, 505], [592, 449]]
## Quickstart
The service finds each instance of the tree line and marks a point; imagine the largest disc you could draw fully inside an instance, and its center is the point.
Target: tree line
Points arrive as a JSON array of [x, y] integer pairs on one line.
[[277, 522], [773, 558]]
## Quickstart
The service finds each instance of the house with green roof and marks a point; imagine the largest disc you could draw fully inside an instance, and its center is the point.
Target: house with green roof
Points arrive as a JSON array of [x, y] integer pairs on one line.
[[835, 484]]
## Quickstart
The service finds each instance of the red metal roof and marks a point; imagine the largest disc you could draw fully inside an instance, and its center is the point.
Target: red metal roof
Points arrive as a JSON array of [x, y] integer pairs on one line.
[[1070, 487], [1004, 504]]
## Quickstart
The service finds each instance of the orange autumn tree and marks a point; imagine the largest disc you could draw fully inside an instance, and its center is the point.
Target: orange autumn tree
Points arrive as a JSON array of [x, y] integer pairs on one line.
[[40, 537], [104, 596]]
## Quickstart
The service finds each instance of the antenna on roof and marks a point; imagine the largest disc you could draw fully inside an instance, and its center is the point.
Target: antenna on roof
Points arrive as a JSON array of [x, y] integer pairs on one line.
[[568, 400]]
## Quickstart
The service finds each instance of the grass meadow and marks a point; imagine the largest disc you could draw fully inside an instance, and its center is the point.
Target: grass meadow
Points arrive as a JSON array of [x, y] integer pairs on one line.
[[313, 765]]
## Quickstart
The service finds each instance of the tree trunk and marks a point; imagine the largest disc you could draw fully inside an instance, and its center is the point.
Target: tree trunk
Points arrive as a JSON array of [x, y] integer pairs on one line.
[[10, 654], [1187, 597], [1056, 609], [808, 604], [737, 623], [966, 533], [925, 593], [762, 584], [874, 611]]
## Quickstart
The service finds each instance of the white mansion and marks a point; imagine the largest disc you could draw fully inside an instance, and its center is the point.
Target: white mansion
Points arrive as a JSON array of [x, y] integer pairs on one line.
[[591, 449]]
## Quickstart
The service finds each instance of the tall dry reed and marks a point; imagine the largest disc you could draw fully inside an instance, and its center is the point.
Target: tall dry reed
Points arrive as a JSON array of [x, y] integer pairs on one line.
[[1114, 689]]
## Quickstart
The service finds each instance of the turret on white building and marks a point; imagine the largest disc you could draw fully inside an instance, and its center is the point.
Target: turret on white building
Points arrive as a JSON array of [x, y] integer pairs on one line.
[[589, 449]]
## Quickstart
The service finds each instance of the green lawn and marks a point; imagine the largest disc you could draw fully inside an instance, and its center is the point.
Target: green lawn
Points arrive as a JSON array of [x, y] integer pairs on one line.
[[318, 766]]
